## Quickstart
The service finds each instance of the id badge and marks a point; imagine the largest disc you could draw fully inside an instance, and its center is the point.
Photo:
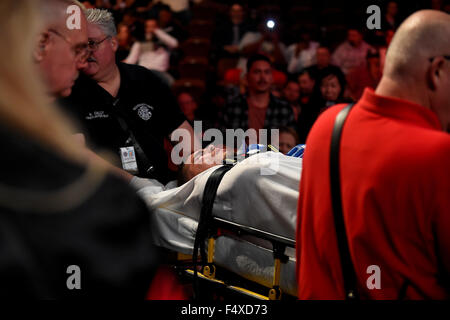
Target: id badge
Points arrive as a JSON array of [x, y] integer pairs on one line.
[[128, 157]]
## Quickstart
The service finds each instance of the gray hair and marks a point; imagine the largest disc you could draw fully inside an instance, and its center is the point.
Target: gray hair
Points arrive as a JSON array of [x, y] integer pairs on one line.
[[103, 19]]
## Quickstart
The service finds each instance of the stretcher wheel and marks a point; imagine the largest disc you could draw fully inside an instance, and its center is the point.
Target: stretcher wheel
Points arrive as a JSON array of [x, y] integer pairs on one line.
[[275, 293], [210, 271]]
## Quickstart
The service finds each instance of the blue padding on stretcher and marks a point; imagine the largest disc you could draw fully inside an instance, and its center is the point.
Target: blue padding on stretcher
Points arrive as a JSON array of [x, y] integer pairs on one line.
[[297, 151]]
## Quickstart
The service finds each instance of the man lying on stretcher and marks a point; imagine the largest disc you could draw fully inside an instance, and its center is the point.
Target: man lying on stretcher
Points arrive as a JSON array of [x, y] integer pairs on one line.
[[260, 191], [196, 163]]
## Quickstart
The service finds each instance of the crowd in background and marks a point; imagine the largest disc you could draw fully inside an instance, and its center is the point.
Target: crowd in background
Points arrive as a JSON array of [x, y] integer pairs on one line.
[[322, 52]]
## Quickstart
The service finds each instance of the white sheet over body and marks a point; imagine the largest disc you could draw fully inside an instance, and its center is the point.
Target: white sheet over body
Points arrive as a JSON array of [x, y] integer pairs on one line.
[[260, 192]]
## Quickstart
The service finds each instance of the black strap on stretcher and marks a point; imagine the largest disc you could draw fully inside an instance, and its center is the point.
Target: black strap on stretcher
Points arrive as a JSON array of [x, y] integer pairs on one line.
[[209, 194], [348, 270]]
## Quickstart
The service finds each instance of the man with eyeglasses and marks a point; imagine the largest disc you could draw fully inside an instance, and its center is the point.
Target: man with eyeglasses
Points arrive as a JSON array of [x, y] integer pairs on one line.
[[125, 109], [394, 180], [88, 235], [60, 52]]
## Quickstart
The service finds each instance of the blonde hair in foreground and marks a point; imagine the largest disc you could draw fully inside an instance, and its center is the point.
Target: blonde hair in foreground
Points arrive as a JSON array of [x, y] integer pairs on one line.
[[24, 107]]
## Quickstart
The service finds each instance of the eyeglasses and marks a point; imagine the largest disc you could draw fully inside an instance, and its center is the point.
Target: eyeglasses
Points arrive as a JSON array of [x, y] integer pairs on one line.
[[93, 45], [81, 51], [444, 56]]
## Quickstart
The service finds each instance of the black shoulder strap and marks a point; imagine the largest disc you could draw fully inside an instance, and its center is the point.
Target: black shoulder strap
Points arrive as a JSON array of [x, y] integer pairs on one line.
[[137, 146], [209, 194], [348, 270]]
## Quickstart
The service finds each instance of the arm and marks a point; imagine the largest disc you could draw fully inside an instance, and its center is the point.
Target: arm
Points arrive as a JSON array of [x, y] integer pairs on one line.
[[248, 46], [168, 40], [135, 52]]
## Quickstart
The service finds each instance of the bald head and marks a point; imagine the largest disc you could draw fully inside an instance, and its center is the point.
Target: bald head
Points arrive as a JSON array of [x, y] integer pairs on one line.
[[423, 35], [417, 66], [54, 12]]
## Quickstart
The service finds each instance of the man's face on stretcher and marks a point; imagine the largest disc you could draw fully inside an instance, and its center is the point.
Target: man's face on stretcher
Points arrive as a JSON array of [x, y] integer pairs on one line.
[[202, 160]]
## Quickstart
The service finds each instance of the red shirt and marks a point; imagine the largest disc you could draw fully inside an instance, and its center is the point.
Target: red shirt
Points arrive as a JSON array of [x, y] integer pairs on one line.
[[395, 181]]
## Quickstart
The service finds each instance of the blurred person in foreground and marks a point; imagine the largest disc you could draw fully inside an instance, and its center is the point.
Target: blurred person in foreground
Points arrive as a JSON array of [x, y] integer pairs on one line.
[[396, 204], [59, 211]]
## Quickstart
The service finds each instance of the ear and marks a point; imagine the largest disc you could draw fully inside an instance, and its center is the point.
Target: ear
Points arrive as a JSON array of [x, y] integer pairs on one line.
[[435, 72], [41, 47], [114, 43]]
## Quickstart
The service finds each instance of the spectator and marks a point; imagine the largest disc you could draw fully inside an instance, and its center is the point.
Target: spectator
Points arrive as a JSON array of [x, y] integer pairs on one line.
[[288, 139], [265, 41], [153, 53], [188, 106], [352, 53], [395, 201], [367, 76], [258, 109], [391, 20], [328, 91], [125, 42], [169, 25], [306, 82], [180, 8], [291, 94], [323, 59], [332, 89], [229, 34], [301, 54], [123, 105], [56, 209]]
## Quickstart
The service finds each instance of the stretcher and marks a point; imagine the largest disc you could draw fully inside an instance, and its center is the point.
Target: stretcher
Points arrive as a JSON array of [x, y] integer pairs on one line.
[[249, 230]]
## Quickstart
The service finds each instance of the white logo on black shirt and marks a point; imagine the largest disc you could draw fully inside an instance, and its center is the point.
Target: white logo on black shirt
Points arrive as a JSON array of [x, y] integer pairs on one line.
[[144, 111], [96, 115]]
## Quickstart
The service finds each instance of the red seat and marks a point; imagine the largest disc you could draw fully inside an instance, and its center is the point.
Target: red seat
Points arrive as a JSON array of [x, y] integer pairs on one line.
[[193, 68], [196, 47], [201, 28], [195, 87]]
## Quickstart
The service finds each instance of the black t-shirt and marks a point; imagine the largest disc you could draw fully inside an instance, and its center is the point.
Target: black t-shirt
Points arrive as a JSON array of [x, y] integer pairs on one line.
[[144, 103]]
